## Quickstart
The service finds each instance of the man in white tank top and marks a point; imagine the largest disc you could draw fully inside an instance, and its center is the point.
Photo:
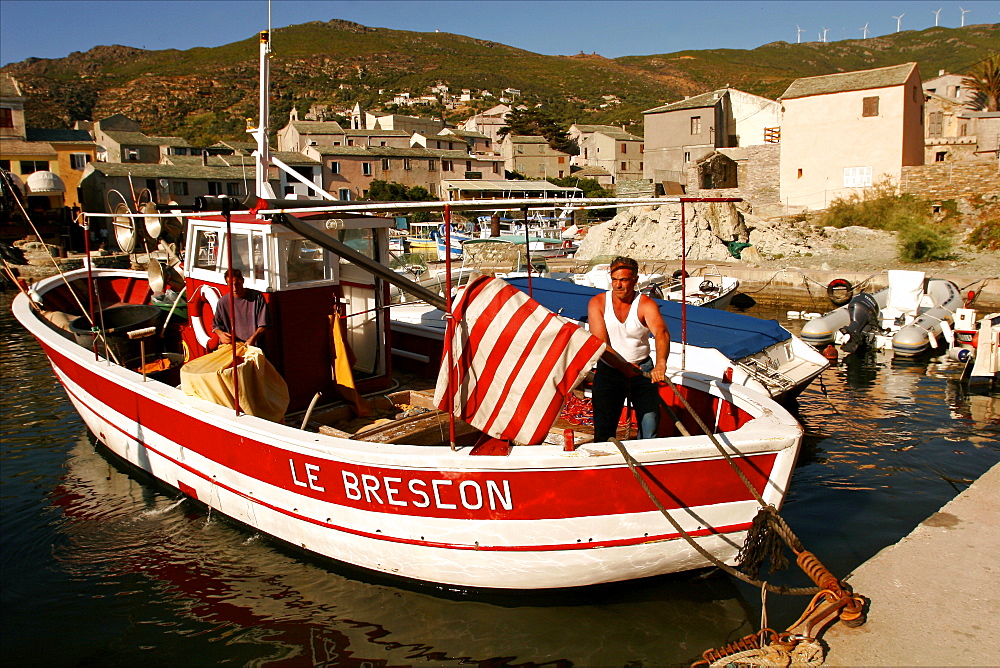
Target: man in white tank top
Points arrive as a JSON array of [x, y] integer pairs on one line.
[[624, 319]]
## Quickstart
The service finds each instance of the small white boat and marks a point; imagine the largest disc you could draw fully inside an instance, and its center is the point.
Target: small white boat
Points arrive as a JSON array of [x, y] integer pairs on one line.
[[912, 315], [983, 370], [709, 287]]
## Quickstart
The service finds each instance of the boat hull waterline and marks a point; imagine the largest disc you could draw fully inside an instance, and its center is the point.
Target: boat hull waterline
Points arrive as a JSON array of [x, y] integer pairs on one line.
[[540, 517]]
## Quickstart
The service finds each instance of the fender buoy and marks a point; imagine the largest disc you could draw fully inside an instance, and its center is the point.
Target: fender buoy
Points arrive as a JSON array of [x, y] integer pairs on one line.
[[679, 274], [840, 291], [205, 295]]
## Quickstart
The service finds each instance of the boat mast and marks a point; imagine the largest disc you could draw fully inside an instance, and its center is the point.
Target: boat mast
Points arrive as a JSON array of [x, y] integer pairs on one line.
[[260, 133]]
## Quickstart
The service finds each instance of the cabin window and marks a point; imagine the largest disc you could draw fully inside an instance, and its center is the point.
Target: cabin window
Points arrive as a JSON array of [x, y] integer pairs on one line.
[[361, 240], [206, 245], [304, 261], [869, 106]]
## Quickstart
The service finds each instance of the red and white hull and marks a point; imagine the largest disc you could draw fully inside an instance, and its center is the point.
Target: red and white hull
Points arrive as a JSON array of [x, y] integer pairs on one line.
[[538, 517]]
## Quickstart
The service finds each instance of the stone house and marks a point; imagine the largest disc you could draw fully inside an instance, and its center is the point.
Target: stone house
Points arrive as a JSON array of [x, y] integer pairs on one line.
[[619, 153], [179, 183], [843, 132], [347, 171], [297, 135], [533, 158], [681, 132], [50, 163], [120, 139], [488, 122]]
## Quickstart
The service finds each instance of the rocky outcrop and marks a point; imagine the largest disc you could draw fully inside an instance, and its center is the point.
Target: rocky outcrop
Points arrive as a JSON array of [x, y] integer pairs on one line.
[[654, 233]]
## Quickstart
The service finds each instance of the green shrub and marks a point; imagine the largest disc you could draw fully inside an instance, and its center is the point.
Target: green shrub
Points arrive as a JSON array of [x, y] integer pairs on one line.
[[922, 243], [986, 236], [880, 207]]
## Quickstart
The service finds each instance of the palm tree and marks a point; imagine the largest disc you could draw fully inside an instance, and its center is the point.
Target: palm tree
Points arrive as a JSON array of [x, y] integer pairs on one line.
[[984, 82]]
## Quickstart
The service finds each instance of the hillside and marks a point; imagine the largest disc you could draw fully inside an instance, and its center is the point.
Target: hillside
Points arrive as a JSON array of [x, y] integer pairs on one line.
[[205, 94]]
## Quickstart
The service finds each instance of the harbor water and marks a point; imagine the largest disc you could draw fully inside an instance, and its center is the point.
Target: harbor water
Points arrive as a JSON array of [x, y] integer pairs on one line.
[[103, 567]]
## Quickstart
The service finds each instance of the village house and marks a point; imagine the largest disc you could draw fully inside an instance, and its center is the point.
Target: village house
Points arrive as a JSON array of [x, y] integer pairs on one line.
[[49, 162], [488, 123], [179, 183], [617, 152], [362, 120], [120, 139], [347, 171], [533, 158], [686, 131], [843, 132], [953, 130], [297, 135]]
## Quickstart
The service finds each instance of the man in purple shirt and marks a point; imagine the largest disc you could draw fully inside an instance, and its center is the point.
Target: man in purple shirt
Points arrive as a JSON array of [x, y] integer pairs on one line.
[[250, 309]]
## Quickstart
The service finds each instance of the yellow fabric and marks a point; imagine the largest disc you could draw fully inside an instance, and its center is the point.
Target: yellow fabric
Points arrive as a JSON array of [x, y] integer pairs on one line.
[[263, 391], [340, 367]]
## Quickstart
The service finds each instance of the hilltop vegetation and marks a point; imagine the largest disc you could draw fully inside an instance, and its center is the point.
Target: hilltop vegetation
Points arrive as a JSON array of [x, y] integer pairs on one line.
[[205, 94]]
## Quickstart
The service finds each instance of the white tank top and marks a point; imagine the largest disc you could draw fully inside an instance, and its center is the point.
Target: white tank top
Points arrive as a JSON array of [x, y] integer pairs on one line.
[[630, 339]]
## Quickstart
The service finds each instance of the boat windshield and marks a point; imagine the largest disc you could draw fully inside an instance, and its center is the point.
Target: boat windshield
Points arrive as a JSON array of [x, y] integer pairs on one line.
[[304, 261]]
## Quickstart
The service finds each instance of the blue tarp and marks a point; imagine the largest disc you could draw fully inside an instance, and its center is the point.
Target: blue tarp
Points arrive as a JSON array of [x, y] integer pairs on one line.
[[734, 335]]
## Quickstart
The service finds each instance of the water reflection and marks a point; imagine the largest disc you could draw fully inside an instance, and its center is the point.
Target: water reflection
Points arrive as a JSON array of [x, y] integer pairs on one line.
[[127, 573], [288, 607]]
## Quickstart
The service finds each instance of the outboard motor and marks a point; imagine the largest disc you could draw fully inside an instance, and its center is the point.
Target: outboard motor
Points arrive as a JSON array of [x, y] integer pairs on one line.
[[863, 311]]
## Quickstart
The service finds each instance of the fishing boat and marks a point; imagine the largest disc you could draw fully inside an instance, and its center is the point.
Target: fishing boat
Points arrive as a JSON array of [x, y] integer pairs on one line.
[[912, 315], [313, 439]]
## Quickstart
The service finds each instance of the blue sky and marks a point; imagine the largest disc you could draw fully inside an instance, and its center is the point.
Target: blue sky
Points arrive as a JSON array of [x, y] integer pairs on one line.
[[612, 28]]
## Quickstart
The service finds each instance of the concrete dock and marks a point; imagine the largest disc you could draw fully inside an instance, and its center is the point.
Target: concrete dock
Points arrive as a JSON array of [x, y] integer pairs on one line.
[[935, 595]]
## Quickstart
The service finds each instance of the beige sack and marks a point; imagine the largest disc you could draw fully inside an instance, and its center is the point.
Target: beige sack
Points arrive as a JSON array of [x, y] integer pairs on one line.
[[263, 391]]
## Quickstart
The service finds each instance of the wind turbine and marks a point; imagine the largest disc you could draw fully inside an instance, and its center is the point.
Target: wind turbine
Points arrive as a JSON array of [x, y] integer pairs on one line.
[[798, 35], [964, 12], [825, 30], [865, 31], [899, 21], [937, 15]]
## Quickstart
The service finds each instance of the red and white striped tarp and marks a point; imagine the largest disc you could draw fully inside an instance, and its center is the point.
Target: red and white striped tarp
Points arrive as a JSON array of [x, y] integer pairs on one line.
[[513, 362]]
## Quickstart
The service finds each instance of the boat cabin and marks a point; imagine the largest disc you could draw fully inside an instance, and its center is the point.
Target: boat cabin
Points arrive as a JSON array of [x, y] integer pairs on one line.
[[303, 285]]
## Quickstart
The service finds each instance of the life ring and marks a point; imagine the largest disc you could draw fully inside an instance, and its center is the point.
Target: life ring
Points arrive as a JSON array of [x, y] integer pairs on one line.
[[840, 291], [204, 295]]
